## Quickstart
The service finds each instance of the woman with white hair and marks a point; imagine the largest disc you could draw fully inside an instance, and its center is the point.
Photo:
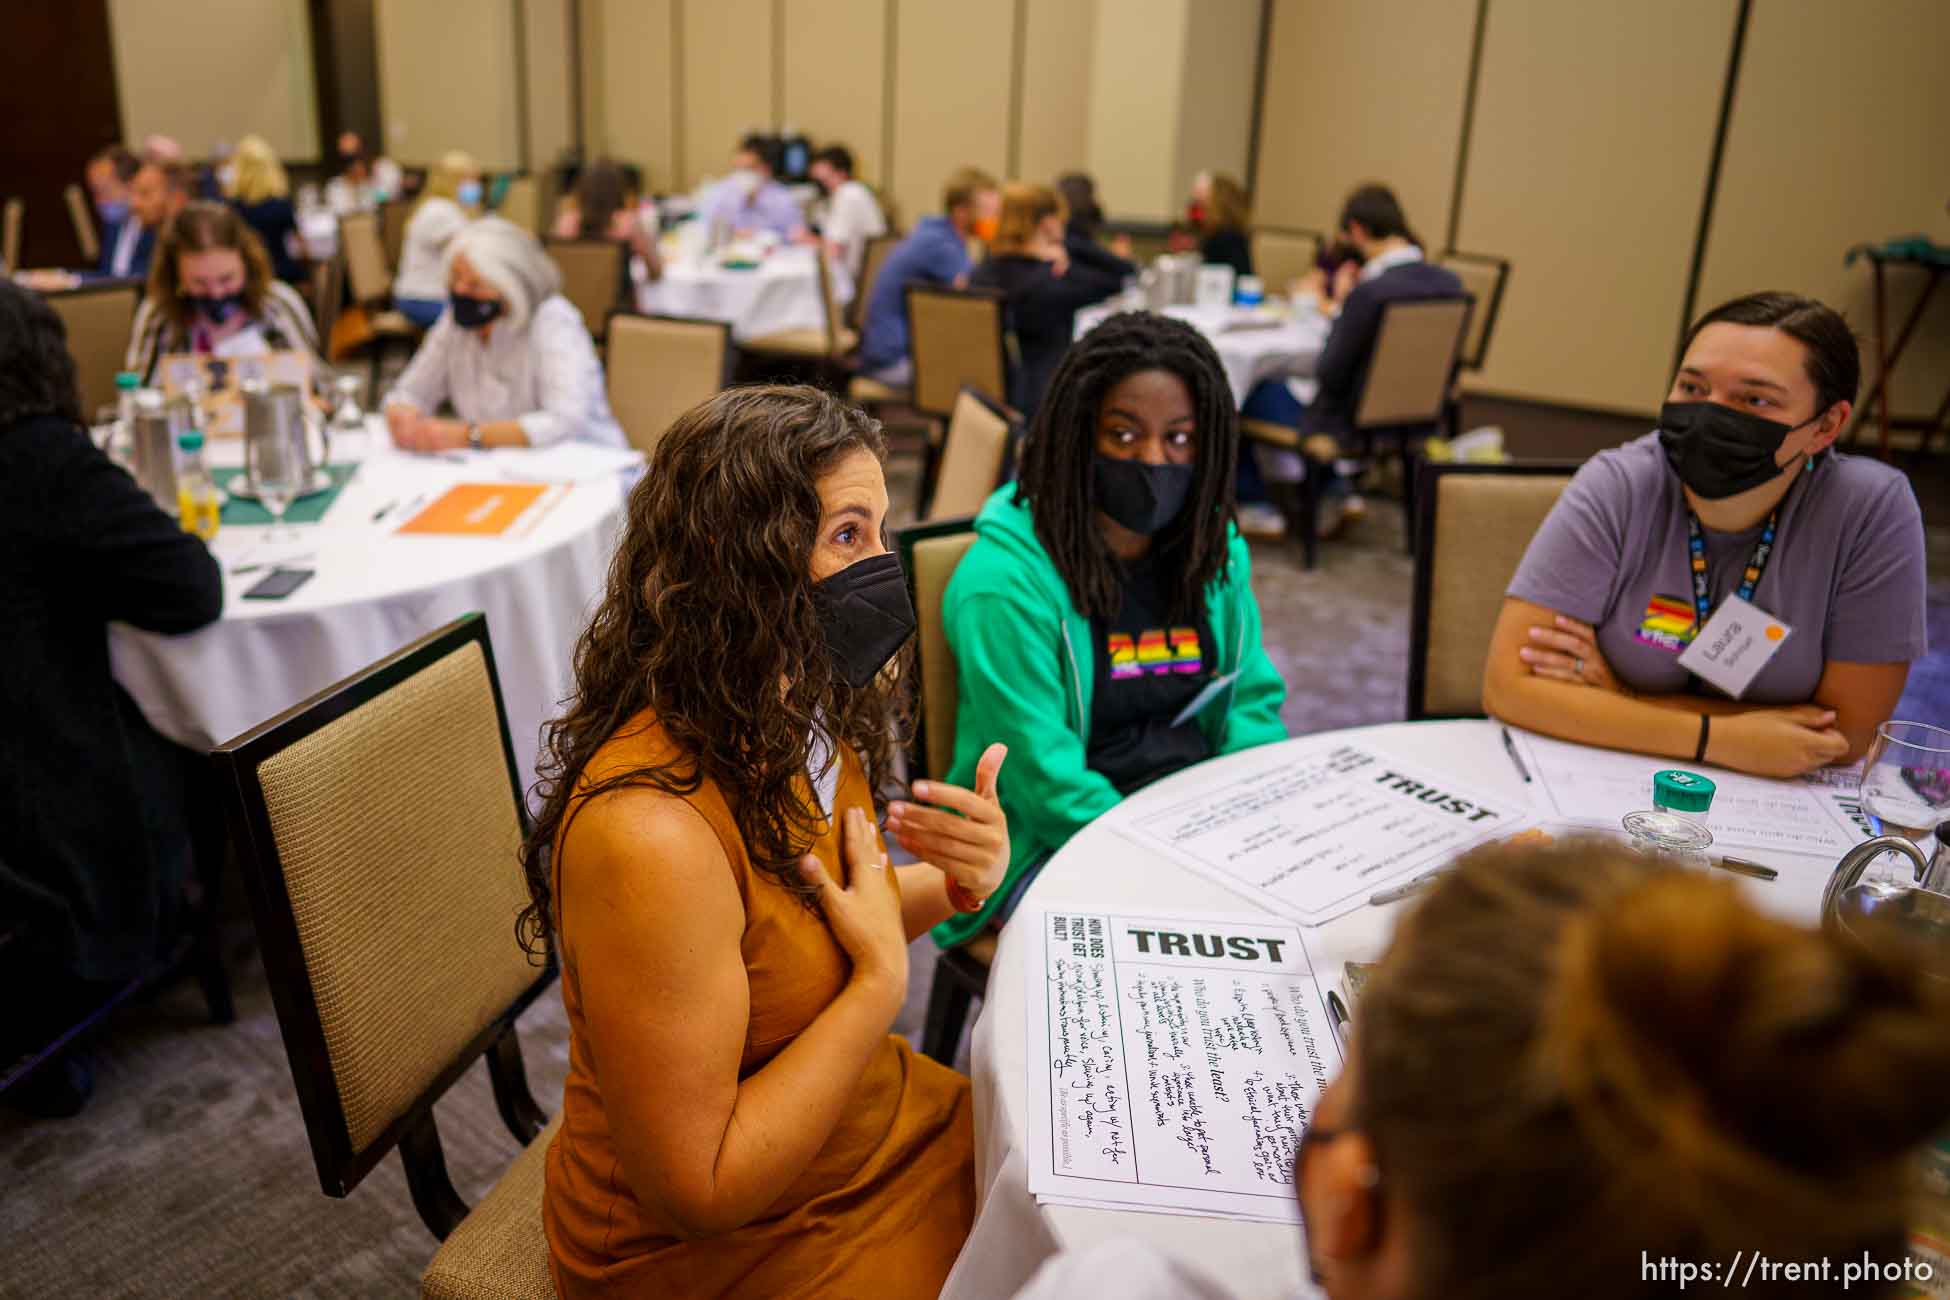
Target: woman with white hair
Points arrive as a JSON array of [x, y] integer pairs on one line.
[[452, 194], [511, 355]]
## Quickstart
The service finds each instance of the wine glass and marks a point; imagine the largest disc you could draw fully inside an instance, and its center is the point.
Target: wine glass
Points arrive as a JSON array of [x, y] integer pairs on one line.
[[1906, 779], [346, 415], [275, 459]]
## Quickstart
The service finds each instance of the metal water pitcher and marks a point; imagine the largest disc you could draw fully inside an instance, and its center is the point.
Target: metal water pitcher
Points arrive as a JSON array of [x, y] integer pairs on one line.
[[275, 418], [152, 444], [1919, 908]]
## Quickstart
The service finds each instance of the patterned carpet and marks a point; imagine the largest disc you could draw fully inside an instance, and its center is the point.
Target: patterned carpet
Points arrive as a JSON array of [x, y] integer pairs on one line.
[[189, 1173]]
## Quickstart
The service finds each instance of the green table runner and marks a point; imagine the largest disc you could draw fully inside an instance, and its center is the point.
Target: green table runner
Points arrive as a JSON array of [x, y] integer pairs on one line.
[[305, 510]]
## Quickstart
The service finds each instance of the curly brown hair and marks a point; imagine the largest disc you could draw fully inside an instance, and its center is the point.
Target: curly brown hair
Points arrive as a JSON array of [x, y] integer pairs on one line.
[[708, 623], [200, 227]]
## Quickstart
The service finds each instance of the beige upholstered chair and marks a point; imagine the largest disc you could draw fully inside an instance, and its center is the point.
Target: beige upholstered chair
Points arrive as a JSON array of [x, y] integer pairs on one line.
[[660, 367], [1414, 357], [84, 223], [1476, 522], [829, 342], [97, 317], [378, 824], [1483, 279], [593, 275], [394, 216], [522, 203], [12, 216], [1281, 256], [872, 258], [981, 433], [327, 286], [369, 275], [955, 337]]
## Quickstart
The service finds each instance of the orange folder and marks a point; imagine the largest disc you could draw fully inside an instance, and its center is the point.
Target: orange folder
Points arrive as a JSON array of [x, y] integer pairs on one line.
[[482, 509]]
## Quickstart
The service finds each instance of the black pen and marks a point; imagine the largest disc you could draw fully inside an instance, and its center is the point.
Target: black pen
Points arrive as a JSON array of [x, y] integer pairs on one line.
[[382, 512], [1338, 1010], [1510, 748]]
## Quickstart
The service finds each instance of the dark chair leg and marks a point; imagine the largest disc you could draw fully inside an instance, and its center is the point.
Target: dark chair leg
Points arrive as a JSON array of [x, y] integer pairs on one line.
[[1309, 518], [209, 854], [511, 1096], [1409, 463], [440, 1206]]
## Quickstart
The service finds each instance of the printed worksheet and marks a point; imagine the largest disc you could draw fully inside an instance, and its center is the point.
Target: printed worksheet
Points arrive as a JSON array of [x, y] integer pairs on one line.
[[1595, 788], [1319, 830], [1173, 1061]]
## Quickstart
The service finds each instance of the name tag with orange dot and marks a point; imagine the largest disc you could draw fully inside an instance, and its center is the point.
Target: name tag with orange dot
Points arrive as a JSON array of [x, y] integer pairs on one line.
[[1735, 645]]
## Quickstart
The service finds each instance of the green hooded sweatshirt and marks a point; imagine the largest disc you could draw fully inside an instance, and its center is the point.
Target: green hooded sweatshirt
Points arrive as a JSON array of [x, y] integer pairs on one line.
[[1027, 669]]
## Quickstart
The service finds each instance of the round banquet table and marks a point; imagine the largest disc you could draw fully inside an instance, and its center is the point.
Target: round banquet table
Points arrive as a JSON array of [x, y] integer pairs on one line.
[[1253, 344], [376, 590], [1013, 1235], [780, 293]]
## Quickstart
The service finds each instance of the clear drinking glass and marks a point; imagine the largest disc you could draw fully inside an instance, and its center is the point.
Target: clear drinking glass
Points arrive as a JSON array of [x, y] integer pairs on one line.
[[274, 459], [347, 417], [1906, 779]]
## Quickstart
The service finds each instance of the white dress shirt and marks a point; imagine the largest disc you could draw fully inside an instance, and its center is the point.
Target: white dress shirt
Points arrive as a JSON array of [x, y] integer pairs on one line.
[[127, 236], [543, 375], [852, 217], [422, 270]]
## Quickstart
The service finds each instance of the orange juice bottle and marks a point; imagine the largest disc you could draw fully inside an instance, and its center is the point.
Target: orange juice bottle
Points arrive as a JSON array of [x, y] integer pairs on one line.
[[198, 507]]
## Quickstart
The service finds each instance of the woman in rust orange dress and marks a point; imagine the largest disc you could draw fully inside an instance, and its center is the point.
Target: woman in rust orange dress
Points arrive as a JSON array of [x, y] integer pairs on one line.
[[737, 1119]]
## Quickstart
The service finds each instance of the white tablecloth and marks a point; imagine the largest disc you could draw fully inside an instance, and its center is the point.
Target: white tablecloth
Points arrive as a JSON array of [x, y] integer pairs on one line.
[[376, 590], [780, 293], [1013, 1235], [1286, 350]]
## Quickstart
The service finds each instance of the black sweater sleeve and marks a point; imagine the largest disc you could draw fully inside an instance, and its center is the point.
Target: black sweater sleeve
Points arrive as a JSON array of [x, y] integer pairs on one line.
[[132, 559], [1090, 253], [1349, 343]]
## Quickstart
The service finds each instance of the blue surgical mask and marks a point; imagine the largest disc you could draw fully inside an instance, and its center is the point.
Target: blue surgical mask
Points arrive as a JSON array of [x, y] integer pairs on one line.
[[469, 194], [112, 211]]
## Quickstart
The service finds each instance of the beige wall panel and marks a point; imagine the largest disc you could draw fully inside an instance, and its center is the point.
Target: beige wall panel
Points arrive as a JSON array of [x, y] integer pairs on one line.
[[835, 90], [447, 80], [727, 52], [1808, 171], [951, 96], [1055, 135], [209, 70], [1136, 83], [1588, 174], [627, 46], [1332, 120], [551, 110], [1215, 115]]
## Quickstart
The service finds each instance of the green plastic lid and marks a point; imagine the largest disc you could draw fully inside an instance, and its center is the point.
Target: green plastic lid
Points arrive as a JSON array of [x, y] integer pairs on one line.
[[127, 379], [1682, 791], [192, 440]]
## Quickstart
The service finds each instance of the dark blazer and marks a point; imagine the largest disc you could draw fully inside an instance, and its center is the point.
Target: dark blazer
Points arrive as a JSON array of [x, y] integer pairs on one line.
[[1343, 366], [273, 219], [1040, 308], [1230, 248], [145, 248], [94, 838]]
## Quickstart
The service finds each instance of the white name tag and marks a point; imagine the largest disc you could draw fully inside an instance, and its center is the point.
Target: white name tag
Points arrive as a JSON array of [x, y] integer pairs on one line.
[[1735, 645]]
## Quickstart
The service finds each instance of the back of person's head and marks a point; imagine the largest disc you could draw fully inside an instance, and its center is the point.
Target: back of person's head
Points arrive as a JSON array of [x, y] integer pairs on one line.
[[259, 175], [602, 190], [37, 375], [204, 226], [1572, 1060], [764, 150], [445, 177], [1056, 476], [962, 187], [157, 147], [510, 259], [1080, 197], [717, 552], [838, 157], [1025, 206], [1229, 208], [1834, 360], [1378, 211], [119, 160]]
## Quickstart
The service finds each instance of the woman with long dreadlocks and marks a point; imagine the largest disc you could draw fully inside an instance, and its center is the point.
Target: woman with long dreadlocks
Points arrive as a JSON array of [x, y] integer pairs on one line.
[[1103, 624], [737, 1119]]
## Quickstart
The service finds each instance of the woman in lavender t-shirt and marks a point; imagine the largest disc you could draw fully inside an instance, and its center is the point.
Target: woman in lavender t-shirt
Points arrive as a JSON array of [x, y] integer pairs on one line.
[[1594, 623]]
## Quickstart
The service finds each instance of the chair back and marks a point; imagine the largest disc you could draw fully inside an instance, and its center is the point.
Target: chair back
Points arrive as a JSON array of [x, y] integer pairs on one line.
[[1483, 278], [929, 553], [980, 434], [367, 269], [1477, 520], [84, 223], [1414, 362], [521, 203], [660, 367], [872, 258], [1282, 255], [12, 217], [394, 216], [97, 316], [955, 338], [593, 274], [378, 824], [833, 317]]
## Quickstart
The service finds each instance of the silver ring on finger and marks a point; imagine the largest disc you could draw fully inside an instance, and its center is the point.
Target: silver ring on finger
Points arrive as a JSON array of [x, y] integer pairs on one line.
[[1578, 668]]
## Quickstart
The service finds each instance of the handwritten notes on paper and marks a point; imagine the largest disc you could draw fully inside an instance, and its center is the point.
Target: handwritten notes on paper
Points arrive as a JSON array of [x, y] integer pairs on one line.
[[1321, 829], [1174, 1062]]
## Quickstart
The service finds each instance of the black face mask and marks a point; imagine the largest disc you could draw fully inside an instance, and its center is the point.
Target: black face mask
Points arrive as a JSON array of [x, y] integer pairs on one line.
[[216, 309], [472, 313], [1719, 452], [1144, 498], [866, 616]]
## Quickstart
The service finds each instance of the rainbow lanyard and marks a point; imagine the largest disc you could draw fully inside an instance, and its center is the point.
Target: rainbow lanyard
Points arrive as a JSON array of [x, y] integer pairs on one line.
[[1749, 580]]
